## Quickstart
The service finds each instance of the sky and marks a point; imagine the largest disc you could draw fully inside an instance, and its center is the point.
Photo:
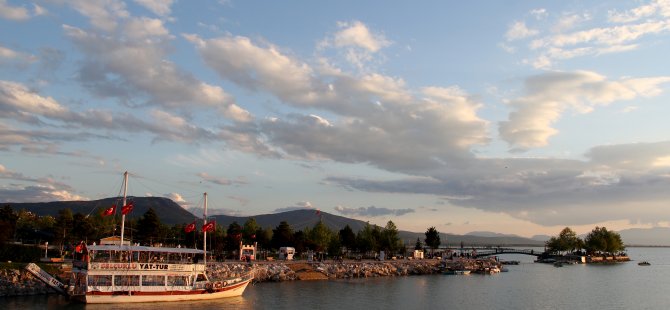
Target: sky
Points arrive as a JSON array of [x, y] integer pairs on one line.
[[516, 117]]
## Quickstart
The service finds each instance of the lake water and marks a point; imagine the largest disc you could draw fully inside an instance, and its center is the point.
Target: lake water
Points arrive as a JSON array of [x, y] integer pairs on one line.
[[526, 286]]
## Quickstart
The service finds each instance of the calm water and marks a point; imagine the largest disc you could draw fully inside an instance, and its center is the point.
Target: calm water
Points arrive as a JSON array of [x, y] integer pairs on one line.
[[526, 286]]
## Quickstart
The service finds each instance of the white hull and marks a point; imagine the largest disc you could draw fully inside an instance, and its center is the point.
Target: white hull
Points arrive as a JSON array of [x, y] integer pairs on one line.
[[138, 297]]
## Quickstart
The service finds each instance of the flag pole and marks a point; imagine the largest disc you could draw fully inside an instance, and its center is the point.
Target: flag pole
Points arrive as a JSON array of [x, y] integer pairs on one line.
[[123, 215], [204, 238]]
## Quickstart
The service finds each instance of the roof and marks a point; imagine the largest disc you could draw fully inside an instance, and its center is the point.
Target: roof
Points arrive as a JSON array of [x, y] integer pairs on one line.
[[135, 248]]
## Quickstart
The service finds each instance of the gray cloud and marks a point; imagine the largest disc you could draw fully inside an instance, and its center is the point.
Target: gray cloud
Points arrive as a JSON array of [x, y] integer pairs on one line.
[[371, 211]]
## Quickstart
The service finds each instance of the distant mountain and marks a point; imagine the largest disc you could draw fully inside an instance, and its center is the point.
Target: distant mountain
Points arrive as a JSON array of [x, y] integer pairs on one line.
[[658, 236], [169, 212], [543, 238], [299, 219], [489, 234]]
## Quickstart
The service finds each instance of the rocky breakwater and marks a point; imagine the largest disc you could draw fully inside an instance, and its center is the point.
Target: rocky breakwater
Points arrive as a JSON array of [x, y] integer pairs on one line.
[[18, 282], [281, 271]]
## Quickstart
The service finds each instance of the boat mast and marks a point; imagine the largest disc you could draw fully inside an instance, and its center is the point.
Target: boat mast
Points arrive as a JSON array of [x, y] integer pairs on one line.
[[123, 216], [204, 238]]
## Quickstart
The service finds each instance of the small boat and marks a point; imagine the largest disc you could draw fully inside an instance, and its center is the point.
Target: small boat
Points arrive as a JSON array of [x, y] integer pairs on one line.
[[558, 264], [644, 263], [456, 272]]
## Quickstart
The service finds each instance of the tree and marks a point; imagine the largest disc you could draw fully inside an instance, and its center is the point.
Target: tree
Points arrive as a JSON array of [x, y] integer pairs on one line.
[[8, 220], [233, 236], [282, 235], [390, 241], [149, 227], [567, 240], [418, 245], [347, 238], [432, 238], [602, 240], [367, 238], [249, 230], [320, 236], [82, 227], [64, 222]]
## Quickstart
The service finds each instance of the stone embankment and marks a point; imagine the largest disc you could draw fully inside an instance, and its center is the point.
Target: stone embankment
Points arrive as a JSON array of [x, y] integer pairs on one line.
[[17, 282], [280, 271]]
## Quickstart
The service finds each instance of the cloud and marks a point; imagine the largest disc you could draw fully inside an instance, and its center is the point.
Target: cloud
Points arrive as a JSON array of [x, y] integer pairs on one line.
[[219, 181], [518, 30], [302, 205], [550, 191], [150, 76], [374, 118], [550, 94], [39, 190], [642, 11], [158, 7], [539, 13], [16, 13], [569, 36], [371, 211], [9, 56]]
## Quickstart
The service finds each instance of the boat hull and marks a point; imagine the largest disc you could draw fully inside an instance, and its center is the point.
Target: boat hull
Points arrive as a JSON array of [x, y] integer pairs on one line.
[[161, 296]]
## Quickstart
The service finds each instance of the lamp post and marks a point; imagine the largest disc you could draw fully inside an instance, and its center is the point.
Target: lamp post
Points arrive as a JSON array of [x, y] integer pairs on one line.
[[46, 249]]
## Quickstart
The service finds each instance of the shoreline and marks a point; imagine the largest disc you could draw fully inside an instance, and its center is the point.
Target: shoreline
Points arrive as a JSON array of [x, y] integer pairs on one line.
[[19, 282]]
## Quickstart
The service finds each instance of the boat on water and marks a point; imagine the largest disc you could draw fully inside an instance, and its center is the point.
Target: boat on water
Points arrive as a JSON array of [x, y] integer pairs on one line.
[[644, 263], [456, 272], [124, 273]]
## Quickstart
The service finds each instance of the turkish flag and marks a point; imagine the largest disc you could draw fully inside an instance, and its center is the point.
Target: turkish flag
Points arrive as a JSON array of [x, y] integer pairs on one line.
[[208, 227], [127, 208], [109, 211], [190, 227]]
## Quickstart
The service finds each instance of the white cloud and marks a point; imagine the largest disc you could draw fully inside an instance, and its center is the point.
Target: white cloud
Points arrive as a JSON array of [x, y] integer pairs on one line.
[[357, 34], [158, 7], [103, 14], [548, 95], [13, 12], [518, 30], [539, 13], [642, 11]]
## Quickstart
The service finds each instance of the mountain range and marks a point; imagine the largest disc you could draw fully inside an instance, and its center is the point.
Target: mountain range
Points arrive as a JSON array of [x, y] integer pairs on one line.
[[171, 213]]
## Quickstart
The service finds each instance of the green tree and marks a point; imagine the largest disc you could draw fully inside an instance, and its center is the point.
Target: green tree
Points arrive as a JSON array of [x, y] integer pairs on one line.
[[390, 240], [347, 238], [82, 227], [233, 236], [64, 222], [282, 235], [567, 241], [249, 230], [418, 245], [432, 238], [602, 240], [320, 236], [149, 227], [8, 220]]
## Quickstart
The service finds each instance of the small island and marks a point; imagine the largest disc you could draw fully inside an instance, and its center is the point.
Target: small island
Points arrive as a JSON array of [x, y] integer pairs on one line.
[[599, 246]]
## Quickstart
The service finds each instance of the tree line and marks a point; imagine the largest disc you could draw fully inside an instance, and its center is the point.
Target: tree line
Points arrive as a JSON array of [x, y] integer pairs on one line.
[[598, 241], [67, 228]]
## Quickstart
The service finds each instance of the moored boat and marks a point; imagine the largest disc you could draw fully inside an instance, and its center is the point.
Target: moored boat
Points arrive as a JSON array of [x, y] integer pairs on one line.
[[124, 273], [644, 263]]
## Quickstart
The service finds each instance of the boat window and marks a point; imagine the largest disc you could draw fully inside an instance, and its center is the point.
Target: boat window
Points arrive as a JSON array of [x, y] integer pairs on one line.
[[177, 280], [104, 280], [201, 277], [126, 280], [153, 281]]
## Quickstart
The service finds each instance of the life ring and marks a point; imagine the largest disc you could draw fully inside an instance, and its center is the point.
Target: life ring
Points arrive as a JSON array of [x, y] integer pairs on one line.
[[208, 287], [218, 285], [225, 283]]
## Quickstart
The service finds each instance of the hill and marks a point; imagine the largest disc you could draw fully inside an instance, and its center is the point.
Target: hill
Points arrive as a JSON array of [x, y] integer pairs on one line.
[[169, 212], [657, 236], [299, 219]]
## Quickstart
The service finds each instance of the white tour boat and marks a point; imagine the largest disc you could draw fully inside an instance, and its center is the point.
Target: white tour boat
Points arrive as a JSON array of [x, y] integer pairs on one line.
[[125, 273]]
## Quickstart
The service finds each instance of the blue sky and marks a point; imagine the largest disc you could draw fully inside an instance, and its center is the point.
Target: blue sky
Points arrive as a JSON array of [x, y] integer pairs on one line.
[[515, 117]]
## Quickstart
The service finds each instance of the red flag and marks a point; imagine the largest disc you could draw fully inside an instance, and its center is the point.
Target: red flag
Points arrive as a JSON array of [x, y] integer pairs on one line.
[[190, 227], [208, 227], [253, 236], [318, 212], [127, 208], [109, 211]]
